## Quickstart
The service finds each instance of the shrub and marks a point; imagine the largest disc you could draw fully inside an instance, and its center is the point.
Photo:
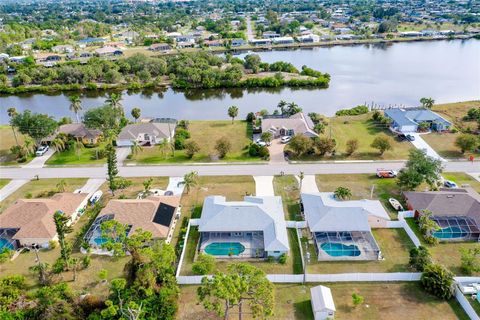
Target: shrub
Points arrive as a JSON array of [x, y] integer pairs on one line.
[[437, 280], [204, 265], [353, 111], [352, 146], [253, 150], [270, 259], [86, 261], [420, 258], [52, 244], [283, 258], [250, 117], [263, 153], [382, 143], [223, 146], [377, 115], [5, 254], [191, 148]]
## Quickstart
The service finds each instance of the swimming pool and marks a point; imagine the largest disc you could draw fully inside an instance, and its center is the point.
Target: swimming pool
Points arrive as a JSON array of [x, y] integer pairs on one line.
[[336, 249], [4, 243], [99, 241], [450, 233], [224, 248]]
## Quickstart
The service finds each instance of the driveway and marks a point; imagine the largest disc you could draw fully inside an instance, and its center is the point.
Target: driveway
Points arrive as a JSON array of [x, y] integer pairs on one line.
[[175, 184], [122, 154], [10, 188], [92, 185], [264, 186], [309, 185], [276, 152], [421, 144], [39, 162]]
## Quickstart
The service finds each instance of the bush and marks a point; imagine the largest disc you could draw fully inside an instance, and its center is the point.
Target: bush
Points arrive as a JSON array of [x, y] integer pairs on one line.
[[223, 146], [204, 265], [191, 148], [283, 258], [353, 112], [250, 117], [377, 115], [438, 281], [263, 153], [52, 244], [270, 259], [5, 254], [420, 258], [253, 150], [86, 261]]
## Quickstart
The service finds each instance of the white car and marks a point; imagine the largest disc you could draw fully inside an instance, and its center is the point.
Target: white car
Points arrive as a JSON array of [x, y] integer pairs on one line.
[[41, 150], [260, 142], [286, 139]]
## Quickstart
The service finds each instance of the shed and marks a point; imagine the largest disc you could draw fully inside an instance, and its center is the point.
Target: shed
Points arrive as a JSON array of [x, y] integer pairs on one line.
[[323, 306]]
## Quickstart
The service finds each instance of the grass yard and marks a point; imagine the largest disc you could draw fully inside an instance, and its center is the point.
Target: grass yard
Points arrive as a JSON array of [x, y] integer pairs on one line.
[[456, 111], [383, 301], [461, 178], [137, 186], [446, 254], [4, 182], [70, 157], [365, 131], [394, 244], [361, 187], [206, 134], [287, 187], [39, 188], [7, 140], [444, 144], [474, 303]]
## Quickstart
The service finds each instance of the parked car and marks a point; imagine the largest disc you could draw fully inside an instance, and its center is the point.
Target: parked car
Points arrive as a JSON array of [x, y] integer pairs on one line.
[[410, 137], [286, 139], [260, 142], [382, 173], [450, 184], [41, 150]]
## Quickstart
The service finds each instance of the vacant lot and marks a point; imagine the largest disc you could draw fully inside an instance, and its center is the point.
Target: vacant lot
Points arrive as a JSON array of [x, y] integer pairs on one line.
[[206, 134], [41, 188], [444, 144], [7, 140], [383, 301], [456, 111], [77, 157]]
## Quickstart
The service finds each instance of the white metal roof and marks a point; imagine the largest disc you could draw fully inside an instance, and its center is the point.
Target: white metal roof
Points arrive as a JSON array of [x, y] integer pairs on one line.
[[322, 299]]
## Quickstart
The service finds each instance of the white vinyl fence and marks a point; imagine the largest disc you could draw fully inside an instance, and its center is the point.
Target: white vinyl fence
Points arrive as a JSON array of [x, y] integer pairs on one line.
[[180, 261], [466, 305]]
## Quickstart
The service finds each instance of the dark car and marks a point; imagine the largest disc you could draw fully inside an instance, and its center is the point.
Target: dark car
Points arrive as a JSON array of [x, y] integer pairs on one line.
[[410, 137]]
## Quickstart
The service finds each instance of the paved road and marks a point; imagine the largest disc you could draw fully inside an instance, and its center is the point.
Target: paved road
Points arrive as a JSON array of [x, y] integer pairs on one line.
[[221, 170], [250, 35]]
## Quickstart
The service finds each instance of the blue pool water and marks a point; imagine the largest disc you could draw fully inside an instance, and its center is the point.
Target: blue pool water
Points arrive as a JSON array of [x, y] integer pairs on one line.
[[450, 233], [336, 249], [4, 243], [224, 248], [99, 241]]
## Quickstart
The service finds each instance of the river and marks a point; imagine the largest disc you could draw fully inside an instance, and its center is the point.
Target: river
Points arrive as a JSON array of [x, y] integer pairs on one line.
[[385, 74]]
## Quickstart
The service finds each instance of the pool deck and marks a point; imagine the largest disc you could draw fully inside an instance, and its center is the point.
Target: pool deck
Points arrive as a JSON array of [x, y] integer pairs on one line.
[[366, 252]]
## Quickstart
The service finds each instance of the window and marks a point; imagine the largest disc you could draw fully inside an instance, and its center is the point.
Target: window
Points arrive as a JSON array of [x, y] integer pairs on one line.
[[276, 251]]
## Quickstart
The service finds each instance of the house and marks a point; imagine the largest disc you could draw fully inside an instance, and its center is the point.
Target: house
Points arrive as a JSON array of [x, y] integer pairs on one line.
[[79, 131], [281, 126], [154, 214], [160, 47], [408, 120], [341, 230], [411, 34], [238, 42], [30, 221], [309, 38], [260, 42], [90, 41], [149, 133], [252, 228], [108, 51], [183, 45], [456, 211], [270, 35], [213, 43], [323, 306], [282, 40], [63, 48]]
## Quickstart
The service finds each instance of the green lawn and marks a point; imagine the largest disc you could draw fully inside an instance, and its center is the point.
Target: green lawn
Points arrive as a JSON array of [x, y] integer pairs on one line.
[[287, 187], [206, 134], [446, 254], [71, 157], [41, 188], [474, 303], [383, 301], [444, 144], [456, 111], [461, 178], [7, 140], [394, 244], [4, 182], [361, 187]]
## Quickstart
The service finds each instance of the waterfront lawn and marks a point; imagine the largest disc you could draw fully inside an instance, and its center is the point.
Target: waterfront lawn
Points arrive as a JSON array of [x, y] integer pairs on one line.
[[135, 188], [287, 187], [456, 111], [206, 134], [365, 131], [461, 178], [394, 244], [446, 254], [361, 186], [406, 300], [70, 157], [7, 140], [40, 189]]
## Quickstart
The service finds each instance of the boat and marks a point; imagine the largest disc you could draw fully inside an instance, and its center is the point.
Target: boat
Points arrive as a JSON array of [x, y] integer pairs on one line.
[[395, 204], [96, 196]]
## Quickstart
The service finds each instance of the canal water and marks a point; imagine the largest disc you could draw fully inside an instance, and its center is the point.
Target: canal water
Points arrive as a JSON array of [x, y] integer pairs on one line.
[[383, 74]]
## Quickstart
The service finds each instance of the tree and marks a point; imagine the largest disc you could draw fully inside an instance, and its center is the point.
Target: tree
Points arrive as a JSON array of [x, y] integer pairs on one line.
[[62, 227], [12, 112], [163, 147], [58, 144], [357, 299], [301, 176], [147, 185], [428, 226], [420, 258], [112, 170], [266, 136], [409, 179], [77, 146], [223, 146], [466, 142], [300, 144], [37, 126], [342, 193], [244, 283], [233, 112], [74, 264], [429, 168], [190, 180], [252, 62], [191, 148], [427, 103], [324, 145], [136, 112], [382, 143], [114, 100], [61, 185], [75, 106], [352, 146], [105, 118], [437, 280], [204, 265], [288, 109], [136, 148], [470, 260]]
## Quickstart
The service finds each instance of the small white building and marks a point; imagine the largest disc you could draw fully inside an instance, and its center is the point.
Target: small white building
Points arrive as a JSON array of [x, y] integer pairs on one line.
[[323, 306]]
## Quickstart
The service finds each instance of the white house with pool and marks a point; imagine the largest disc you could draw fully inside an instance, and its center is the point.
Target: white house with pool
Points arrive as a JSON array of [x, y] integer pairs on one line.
[[252, 228], [341, 230]]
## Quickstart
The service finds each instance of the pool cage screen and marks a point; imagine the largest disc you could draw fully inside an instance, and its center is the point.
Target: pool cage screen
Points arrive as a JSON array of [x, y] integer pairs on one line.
[[6, 240], [346, 245], [457, 228], [95, 230]]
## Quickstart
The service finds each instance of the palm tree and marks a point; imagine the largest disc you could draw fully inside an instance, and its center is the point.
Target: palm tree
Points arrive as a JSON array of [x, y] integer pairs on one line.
[[147, 186], [58, 144], [61, 185], [136, 148], [115, 101], [301, 176], [75, 106], [190, 180], [136, 112], [427, 102], [343, 193], [12, 112], [77, 146], [162, 146], [233, 112], [29, 145]]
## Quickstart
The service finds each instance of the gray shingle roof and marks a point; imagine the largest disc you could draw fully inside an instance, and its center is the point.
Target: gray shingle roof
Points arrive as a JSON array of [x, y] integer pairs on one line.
[[159, 130], [300, 124]]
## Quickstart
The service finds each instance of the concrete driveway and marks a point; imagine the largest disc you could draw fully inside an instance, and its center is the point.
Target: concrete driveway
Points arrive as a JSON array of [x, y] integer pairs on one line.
[[92, 185], [122, 154], [39, 162], [309, 185], [264, 186], [421, 144], [176, 185], [276, 152]]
